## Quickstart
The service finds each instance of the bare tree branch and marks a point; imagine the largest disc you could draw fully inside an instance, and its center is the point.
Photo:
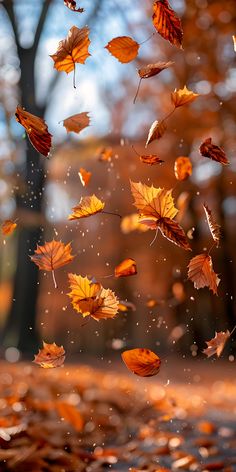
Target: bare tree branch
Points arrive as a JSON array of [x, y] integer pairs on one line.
[[45, 7], [8, 6]]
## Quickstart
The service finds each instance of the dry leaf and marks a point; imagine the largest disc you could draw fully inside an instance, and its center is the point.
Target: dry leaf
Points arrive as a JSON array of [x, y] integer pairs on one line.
[[182, 168], [201, 273], [52, 255], [36, 129], [8, 227], [151, 159], [171, 230], [105, 154], [131, 223], [71, 4], [150, 71], [210, 150], [50, 356], [76, 123], [183, 97], [213, 226], [216, 344], [167, 23], [84, 176], [91, 299], [87, 206], [124, 48], [125, 306], [72, 50], [156, 131], [70, 414], [126, 268], [142, 362]]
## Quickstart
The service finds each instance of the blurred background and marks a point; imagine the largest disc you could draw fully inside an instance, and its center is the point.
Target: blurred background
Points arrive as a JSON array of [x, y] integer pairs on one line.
[[168, 315]]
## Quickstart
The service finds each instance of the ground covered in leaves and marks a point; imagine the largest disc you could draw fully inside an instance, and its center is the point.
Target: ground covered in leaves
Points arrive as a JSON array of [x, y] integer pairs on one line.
[[85, 419]]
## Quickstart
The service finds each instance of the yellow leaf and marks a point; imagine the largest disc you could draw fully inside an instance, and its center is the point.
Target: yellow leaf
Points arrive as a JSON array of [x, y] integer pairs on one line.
[[87, 206], [183, 97]]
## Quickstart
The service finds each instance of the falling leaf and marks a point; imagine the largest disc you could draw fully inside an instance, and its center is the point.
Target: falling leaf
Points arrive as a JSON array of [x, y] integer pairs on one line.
[[182, 168], [70, 414], [182, 205], [216, 344], [234, 42], [124, 48], [8, 227], [213, 226], [208, 149], [84, 176], [156, 131], [72, 50], [151, 303], [91, 299], [105, 154], [52, 255], [151, 159], [142, 362], [71, 4], [131, 223], [76, 123], [167, 23], [125, 306], [171, 230], [50, 356], [178, 291], [150, 71], [87, 206], [201, 273], [126, 268], [183, 97], [36, 129]]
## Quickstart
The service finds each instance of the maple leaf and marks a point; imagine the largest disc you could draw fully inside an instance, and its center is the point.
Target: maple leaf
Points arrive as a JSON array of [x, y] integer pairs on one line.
[[71, 4], [50, 356], [142, 362], [84, 176], [91, 299], [213, 226], [124, 48], [72, 50], [126, 268], [52, 255], [167, 23], [36, 129], [210, 150], [76, 123], [87, 206], [8, 227], [156, 131], [217, 344], [150, 71], [182, 168], [131, 223], [201, 273], [70, 414], [183, 97]]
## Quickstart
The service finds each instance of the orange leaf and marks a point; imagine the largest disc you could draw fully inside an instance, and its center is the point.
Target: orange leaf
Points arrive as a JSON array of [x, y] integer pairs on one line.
[[207, 149], [171, 230], [182, 204], [70, 414], [8, 227], [36, 129], [151, 159], [183, 168], [50, 356], [151, 303], [153, 69], [142, 362], [167, 22], [87, 206], [126, 268], [105, 154], [71, 4], [217, 344], [183, 97], [131, 223], [213, 226], [201, 273], [124, 48], [156, 131], [84, 176], [76, 123]]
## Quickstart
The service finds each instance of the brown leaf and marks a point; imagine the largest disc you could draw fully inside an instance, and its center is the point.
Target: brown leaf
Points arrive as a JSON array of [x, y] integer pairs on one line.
[[124, 48], [8, 227], [216, 344], [167, 23], [87, 206], [182, 168], [84, 176], [71, 4], [156, 131], [172, 230], [151, 159], [76, 123], [201, 273], [183, 97], [50, 356], [70, 414], [210, 150], [142, 362], [126, 268], [213, 226], [153, 69], [36, 129]]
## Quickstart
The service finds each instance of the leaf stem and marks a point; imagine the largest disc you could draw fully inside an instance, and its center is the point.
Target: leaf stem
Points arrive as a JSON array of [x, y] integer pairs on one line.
[[149, 37], [74, 78], [54, 279], [111, 213], [137, 92], [135, 150], [155, 237]]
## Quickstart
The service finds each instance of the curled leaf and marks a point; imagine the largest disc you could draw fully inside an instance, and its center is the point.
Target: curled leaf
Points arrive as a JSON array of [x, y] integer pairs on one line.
[[142, 362], [50, 356], [76, 123], [171, 230], [201, 273], [71, 4], [150, 71], [8, 227], [213, 226], [210, 150], [87, 206], [36, 129], [124, 48], [126, 268], [156, 131], [84, 176], [182, 168], [183, 97], [167, 23], [217, 344], [151, 159]]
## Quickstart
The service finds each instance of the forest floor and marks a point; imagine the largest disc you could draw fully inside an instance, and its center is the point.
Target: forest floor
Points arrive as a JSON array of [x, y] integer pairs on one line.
[[81, 418]]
